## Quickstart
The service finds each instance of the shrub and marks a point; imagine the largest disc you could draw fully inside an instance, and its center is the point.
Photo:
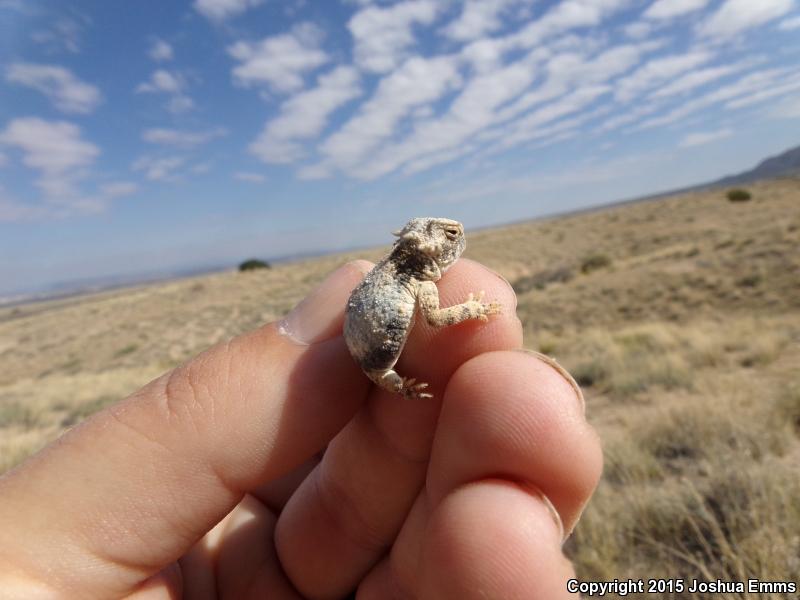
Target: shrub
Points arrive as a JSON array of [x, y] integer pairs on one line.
[[253, 264], [738, 195], [594, 262], [751, 280], [542, 279], [548, 346], [591, 372]]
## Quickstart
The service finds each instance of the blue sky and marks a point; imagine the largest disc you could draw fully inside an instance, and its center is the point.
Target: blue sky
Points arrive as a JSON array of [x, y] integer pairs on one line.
[[151, 136]]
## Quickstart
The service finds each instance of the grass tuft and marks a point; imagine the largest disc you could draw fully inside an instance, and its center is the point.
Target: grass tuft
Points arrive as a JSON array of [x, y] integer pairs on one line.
[[18, 414], [593, 262], [129, 349]]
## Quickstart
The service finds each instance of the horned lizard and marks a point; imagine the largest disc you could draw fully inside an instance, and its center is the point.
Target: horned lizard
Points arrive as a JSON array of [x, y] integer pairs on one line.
[[381, 310]]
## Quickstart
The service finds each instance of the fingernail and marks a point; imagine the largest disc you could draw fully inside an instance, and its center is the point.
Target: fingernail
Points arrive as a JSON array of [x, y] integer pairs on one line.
[[575, 522], [535, 491], [554, 514], [549, 360], [319, 316]]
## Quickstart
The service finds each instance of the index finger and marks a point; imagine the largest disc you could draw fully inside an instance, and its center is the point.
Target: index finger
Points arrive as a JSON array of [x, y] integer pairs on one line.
[[131, 489]]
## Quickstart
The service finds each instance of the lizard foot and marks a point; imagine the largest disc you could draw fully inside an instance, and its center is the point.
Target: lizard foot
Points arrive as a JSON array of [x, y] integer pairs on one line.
[[413, 390], [482, 309]]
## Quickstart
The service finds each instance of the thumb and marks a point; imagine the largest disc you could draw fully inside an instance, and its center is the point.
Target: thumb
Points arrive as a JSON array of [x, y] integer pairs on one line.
[[130, 490]]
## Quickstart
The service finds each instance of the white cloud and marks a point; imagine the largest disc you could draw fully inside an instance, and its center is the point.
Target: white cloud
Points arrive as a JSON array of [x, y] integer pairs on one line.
[[53, 147], [61, 156], [631, 115], [704, 137], [638, 30], [12, 210], [15, 5], [657, 71], [737, 15], [437, 158], [473, 110], [788, 109], [98, 202], [790, 24], [382, 36], [694, 79], [280, 61], [201, 168], [366, 146], [160, 51], [568, 69], [165, 82], [219, 10], [484, 54], [669, 9], [477, 18], [117, 189], [182, 139], [532, 126], [417, 83], [305, 115], [68, 93], [569, 14], [180, 104], [162, 81], [557, 21], [776, 89], [314, 172], [63, 159], [602, 67], [161, 168], [495, 104], [249, 177], [65, 34], [745, 86], [489, 99]]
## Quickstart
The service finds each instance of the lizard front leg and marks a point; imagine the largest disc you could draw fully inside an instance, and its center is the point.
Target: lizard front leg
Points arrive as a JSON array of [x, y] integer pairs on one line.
[[472, 308]]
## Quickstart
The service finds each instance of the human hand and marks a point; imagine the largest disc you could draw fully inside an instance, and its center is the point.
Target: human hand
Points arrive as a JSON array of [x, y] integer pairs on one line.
[[211, 480]]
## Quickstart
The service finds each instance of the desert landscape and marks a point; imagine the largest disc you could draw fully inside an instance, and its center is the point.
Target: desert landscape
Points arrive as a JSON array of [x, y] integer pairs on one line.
[[679, 317]]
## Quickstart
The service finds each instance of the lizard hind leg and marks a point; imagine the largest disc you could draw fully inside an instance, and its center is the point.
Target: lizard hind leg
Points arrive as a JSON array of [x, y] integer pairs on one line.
[[407, 387]]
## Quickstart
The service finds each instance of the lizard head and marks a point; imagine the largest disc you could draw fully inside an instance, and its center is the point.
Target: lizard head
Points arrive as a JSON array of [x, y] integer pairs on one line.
[[440, 239]]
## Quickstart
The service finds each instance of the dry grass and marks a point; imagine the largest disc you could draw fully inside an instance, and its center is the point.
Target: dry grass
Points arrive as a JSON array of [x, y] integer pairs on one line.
[[699, 490], [680, 317]]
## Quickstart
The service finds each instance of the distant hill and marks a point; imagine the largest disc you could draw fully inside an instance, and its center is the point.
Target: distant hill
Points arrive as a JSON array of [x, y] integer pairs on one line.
[[787, 163]]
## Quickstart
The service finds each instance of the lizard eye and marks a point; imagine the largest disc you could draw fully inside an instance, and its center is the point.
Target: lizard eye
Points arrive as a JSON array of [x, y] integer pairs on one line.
[[451, 233]]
